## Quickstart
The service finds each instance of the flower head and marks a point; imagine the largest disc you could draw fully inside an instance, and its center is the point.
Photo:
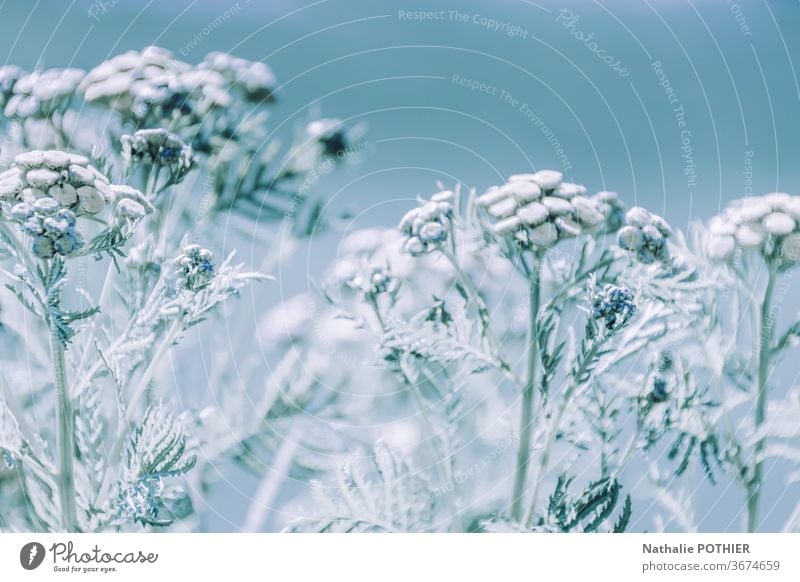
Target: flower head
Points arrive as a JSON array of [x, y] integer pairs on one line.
[[768, 224], [42, 93], [253, 79], [9, 75], [51, 228], [68, 179], [428, 226], [194, 268], [645, 235], [119, 81], [540, 209], [156, 147], [613, 306]]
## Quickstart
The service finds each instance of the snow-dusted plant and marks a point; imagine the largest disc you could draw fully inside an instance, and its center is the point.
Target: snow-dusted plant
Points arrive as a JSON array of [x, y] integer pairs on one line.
[[584, 320], [115, 185]]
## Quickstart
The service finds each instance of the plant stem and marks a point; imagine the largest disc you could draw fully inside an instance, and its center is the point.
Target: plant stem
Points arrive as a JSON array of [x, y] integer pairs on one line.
[[65, 440], [528, 394], [552, 432], [763, 349]]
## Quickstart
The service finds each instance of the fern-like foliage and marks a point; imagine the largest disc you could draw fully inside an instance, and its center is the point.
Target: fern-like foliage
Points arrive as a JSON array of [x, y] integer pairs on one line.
[[379, 493]]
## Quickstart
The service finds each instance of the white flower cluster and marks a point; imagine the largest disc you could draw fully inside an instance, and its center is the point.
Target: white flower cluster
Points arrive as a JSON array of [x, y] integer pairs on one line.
[[254, 80], [769, 224], [427, 226], [41, 93], [67, 178], [69, 181], [156, 147], [9, 75], [645, 235], [540, 209], [152, 85]]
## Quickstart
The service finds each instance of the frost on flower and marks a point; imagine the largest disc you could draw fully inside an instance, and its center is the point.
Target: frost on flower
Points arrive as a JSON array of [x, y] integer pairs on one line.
[[67, 178], [125, 79], [254, 80], [613, 306], [9, 75], [42, 93], [428, 226], [645, 235], [51, 227], [765, 224], [194, 268], [540, 209], [156, 147]]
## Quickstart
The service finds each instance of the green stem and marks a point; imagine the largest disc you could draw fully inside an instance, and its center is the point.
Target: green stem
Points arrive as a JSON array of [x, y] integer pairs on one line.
[[528, 394], [65, 441], [763, 347]]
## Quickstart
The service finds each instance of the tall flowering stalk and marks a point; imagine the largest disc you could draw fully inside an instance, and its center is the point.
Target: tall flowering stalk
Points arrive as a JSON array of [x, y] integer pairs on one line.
[[149, 121]]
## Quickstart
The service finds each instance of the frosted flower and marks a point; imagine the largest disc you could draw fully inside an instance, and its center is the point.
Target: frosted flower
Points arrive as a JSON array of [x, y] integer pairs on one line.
[[9, 75], [768, 224], [156, 147], [66, 178], [613, 306], [427, 226], [540, 209], [645, 235], [42, 93], [253, 79], [51, 228], [612, 209], [194, 268], [118, 82]]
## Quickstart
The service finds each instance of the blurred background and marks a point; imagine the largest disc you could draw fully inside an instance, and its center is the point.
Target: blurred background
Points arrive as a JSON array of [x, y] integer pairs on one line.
[[679, 105]]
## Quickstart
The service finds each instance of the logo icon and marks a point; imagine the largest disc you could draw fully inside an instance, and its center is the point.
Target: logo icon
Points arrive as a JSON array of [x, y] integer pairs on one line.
[[31, 555]]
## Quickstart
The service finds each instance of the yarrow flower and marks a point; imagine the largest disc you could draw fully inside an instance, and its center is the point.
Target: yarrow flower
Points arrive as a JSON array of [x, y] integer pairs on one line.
[[540, 209], [42, 93], [194, 268], [51, 227], [428, 226], [156, 147], [613, 306], [645, 235], [768, 224]]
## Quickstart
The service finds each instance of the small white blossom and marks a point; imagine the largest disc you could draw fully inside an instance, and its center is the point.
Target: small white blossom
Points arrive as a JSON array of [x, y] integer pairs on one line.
[[768, 224], [539, 209]]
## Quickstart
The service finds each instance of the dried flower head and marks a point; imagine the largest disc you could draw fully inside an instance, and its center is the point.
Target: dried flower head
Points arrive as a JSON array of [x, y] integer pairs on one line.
[[9, 75], [42, 93], [51, 228], [613, 306], [427, 226], [767, 224], [645, 235], [67, 178], [118, 82], [254, 80], [156, 147], [194, 268], [330, 134], [540, 209]]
